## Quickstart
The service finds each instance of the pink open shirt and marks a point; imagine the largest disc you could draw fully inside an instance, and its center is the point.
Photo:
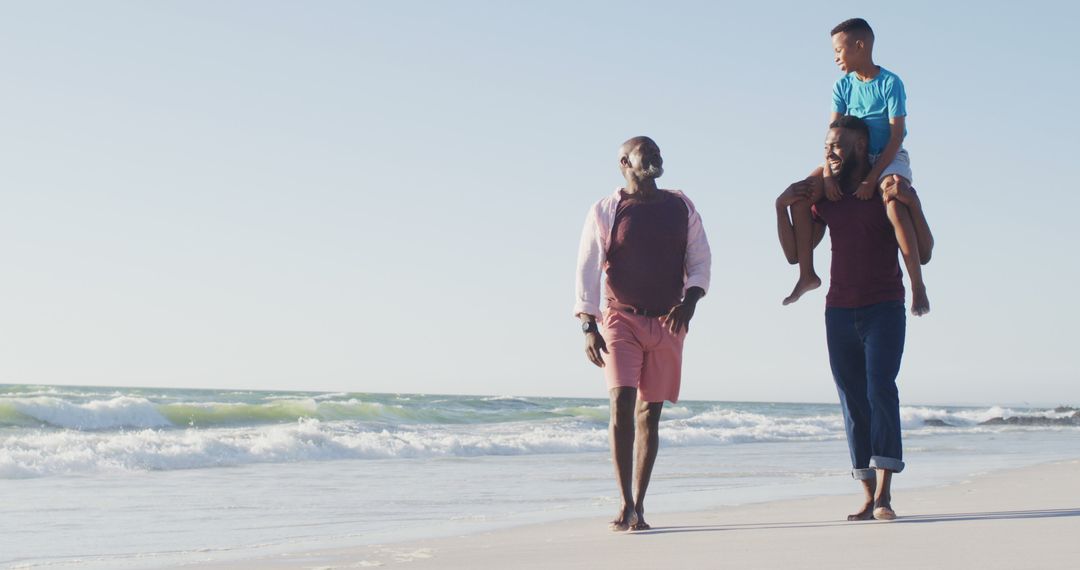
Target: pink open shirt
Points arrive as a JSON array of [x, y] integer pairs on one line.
[[596, 238]]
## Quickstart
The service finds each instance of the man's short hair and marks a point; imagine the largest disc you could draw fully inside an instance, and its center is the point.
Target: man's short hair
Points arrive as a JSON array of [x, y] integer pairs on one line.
[[852, 123], [857, 27]]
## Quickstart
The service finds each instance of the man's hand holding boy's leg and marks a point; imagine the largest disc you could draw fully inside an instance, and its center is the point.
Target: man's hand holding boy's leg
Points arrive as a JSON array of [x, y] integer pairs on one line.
[[894, 187]]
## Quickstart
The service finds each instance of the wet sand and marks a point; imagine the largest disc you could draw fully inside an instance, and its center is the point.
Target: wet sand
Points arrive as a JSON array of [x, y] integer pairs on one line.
[[1023, 518]]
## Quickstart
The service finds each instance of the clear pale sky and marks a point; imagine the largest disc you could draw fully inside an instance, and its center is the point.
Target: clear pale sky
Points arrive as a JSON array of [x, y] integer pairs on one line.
[[387, 196]]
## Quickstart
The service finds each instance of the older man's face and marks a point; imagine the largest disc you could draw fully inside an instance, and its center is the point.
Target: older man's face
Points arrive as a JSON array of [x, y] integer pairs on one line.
[[645, 160]]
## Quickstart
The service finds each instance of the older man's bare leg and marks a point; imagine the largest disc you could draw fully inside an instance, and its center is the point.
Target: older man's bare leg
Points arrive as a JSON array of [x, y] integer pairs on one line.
[[621, 430], [648, 444]]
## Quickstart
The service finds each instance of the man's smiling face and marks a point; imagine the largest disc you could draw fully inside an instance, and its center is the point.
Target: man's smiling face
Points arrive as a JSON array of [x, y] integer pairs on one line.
[[842, 150]]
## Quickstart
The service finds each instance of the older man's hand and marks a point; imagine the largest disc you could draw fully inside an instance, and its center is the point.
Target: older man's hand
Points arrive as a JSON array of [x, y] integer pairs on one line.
[[678, 318], [896, 189], [594, 345], [797, 192]]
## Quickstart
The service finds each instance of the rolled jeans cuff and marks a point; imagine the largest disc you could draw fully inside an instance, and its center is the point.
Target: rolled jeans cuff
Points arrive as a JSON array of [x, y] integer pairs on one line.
[[863, 474], [879, 462]]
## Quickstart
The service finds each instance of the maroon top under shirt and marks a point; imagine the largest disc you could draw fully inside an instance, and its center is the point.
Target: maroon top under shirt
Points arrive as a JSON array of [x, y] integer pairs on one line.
[[865, 268], [646, 261]]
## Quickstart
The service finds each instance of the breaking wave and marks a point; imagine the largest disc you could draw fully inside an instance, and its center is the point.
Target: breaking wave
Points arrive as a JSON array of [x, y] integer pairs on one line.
[[134, 412], [45, 432]]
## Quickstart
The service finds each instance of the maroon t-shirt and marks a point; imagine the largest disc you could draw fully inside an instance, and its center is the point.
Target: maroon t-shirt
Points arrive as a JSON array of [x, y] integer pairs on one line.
[[646, 261], [865, 267]]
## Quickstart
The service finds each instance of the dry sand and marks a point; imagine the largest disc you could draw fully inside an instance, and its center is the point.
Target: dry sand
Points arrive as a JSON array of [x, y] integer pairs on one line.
[[1018, 519]]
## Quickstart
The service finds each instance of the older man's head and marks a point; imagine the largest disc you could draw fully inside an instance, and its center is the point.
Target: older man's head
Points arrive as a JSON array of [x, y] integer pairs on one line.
[[639, 159]]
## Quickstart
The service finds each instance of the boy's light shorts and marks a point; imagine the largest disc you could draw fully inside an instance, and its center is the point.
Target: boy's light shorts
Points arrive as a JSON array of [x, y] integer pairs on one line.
[[900, 165], [642, 354]]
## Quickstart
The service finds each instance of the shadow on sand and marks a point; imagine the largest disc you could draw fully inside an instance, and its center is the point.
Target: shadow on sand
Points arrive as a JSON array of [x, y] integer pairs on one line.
[[913, 519]]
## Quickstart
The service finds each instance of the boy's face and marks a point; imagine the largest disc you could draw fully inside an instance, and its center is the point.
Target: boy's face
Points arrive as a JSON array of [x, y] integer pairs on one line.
[[847, 52]]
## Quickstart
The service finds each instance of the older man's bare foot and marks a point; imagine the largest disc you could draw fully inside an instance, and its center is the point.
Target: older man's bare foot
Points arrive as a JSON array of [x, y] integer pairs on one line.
[[640, 523], [806, 283], [884, 514], [624, 519], [920, 303]]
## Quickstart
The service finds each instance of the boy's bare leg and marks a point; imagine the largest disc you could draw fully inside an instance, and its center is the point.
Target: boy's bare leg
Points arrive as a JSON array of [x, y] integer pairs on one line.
[[803, 222], [906, 238]]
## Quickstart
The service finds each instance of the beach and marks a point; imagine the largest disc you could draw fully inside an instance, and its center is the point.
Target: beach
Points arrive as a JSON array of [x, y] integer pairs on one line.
[[449, 285], [1019, 518], [117, 478]]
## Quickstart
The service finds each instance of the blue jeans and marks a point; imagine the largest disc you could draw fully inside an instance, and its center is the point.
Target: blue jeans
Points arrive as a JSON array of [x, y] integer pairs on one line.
[[865, 347]]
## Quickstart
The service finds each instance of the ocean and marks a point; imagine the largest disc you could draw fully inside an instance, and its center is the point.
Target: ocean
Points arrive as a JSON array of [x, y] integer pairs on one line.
[[101, 477]]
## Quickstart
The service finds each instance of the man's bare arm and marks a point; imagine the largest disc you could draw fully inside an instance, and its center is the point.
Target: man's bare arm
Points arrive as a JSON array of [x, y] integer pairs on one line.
[[819, 233], [594, 341], [894, 190], [807, 189], [678, 318], [786, 233]]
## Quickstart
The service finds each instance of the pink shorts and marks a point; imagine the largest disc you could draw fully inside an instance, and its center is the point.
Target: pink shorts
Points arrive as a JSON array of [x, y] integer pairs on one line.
[[642, 354]]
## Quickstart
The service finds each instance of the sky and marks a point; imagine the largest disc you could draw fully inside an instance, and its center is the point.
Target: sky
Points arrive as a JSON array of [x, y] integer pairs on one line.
[[388, 196]]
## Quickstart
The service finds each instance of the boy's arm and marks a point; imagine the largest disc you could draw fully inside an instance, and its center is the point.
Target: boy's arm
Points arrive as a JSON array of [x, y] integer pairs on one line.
[[896, 104], [896, 140]]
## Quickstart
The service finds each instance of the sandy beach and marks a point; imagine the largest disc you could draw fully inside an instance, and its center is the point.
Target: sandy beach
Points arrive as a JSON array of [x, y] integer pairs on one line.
[[334, 285], [1023, 518]]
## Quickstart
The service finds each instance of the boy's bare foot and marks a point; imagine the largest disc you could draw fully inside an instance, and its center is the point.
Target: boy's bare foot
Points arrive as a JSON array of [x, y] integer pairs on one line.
[[920, 303], [806, 283], [624, 519]]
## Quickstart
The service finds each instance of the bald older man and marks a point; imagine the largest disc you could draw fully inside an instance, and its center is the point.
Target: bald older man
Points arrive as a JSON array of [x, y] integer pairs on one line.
[[652, 246]]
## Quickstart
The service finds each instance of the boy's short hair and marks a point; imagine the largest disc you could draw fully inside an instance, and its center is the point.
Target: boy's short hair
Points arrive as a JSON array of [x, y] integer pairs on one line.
[[851, 122], [857, 27]]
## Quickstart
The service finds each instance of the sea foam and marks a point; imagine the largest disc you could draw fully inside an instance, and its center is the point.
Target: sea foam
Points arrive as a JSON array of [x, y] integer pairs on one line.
[[45, 432], [44, 452]]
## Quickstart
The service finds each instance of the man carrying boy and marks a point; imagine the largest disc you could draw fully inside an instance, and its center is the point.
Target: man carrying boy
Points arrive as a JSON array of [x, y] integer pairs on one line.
[[652, 246], [864, 309], [876, 95]]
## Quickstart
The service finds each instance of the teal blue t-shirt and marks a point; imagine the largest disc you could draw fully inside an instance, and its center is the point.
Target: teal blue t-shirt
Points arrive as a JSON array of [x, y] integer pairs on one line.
[[875, 101]]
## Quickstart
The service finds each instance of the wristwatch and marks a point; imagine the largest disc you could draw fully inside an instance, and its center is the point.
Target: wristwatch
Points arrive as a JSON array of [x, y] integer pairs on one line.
[[588, 327]]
